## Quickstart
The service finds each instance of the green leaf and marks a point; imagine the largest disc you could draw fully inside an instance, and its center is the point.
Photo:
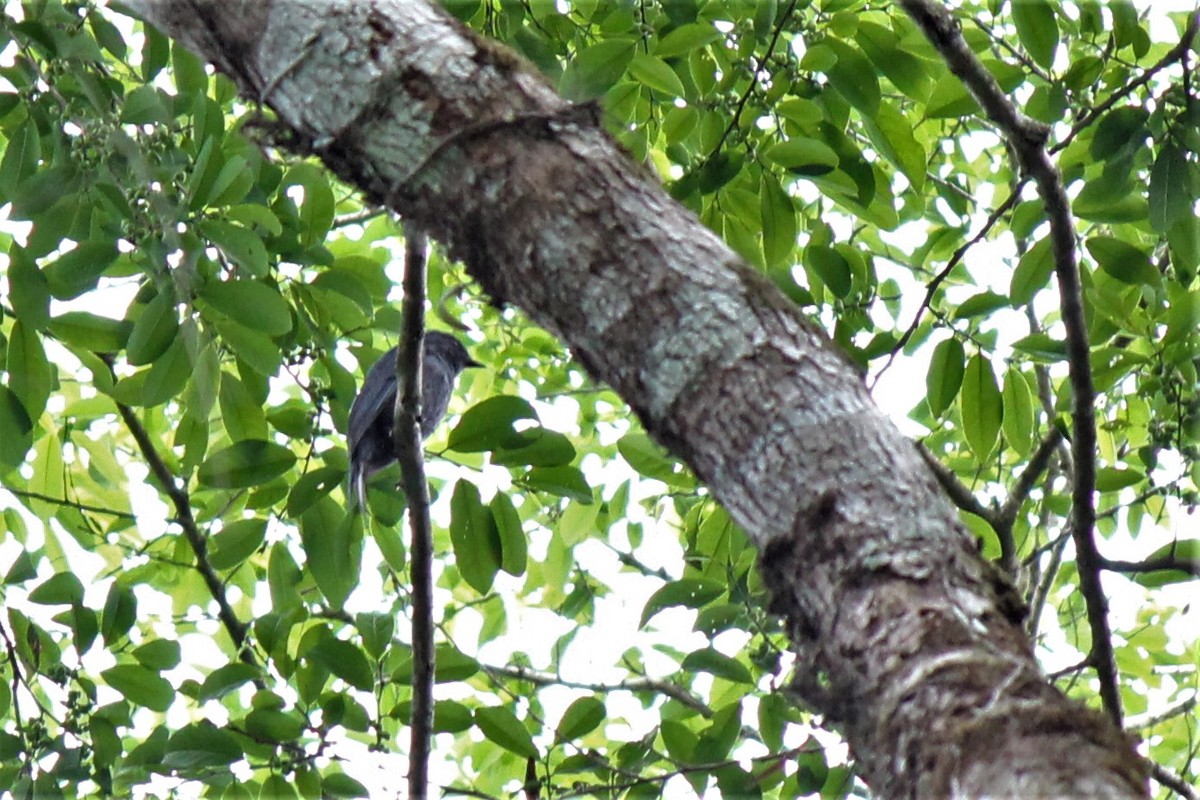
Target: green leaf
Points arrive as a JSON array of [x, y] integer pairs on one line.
[[562, 481], [251, 303], [241, 414], [201, 744], [478, 549], [981, 407], [685, 592], [717, 663], [62, 588], [29, 375], [854, 77], [538, 447], [1042, 348], [488, 425], [451, 717], [1037, 29], [908, 72], [980, 304], [832, 268], [339, 784], [655, 74], [945, 375], [1123, 261], [651, 460], [501, 726], [1117, 129], [78, 270], [140, 686], [1171, 188], [344, 660], [256, 349], [244, 464], [311, 487], [15, 428], [686, 38], [168, 375], [1114, 479], [316, 213], [236, 542], [95, 333], [582, 717], [778, 222], [1018, 412], [513, 543], [596, 69], [28, 289], [158, 654], [333, 545], [242, 246], [376, 630], [154, 330], [803, 156], [1032, 273], [225, 679]]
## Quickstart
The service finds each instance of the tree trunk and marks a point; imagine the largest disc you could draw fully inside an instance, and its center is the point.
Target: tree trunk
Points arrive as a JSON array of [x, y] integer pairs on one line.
[[906, 638]]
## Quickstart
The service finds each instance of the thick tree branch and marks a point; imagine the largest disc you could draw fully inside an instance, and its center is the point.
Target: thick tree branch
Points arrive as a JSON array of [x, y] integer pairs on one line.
[[236, 629], [1173, 782], [1027, 138], [407, 434]]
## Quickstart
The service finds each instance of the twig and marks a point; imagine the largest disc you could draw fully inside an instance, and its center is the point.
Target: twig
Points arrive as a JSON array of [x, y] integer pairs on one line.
[[407, 436], [667, 688], [956, 257], [1007, 515], [1145, 721], [1027, 138], [183, 516], [62, 501]]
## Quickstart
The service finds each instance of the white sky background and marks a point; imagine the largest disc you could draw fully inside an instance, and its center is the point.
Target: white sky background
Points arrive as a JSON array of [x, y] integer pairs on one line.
[[533, 631]]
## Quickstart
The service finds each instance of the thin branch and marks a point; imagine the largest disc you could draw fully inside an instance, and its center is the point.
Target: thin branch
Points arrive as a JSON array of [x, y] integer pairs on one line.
[[1145, 721], [661, 687], [1027, 138], [1189, 565], [956, 257], [959, 494], [407, 436], [1006, 517], [236, 629], [62, 501]]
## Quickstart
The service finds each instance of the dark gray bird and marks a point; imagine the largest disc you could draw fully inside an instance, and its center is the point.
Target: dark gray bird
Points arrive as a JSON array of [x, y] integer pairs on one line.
[[372, 414]]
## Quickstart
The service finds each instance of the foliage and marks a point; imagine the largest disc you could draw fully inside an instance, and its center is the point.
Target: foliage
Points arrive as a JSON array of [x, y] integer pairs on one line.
[[186, 314]]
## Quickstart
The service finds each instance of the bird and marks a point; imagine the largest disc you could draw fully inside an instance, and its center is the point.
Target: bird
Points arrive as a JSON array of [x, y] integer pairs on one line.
[[369, 437]]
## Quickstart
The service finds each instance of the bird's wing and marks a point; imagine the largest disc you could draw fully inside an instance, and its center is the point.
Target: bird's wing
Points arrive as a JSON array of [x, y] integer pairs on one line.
[[378, 394]]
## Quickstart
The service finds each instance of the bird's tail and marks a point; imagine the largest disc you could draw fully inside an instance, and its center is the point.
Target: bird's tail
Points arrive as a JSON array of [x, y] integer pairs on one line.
[[356, 493]]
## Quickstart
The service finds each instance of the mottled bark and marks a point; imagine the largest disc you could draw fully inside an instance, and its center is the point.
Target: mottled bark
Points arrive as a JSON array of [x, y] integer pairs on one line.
[[906, 638]]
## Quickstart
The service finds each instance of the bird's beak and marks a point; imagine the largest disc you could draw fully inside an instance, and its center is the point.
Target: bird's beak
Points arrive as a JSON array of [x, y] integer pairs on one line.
[[472, 364]]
